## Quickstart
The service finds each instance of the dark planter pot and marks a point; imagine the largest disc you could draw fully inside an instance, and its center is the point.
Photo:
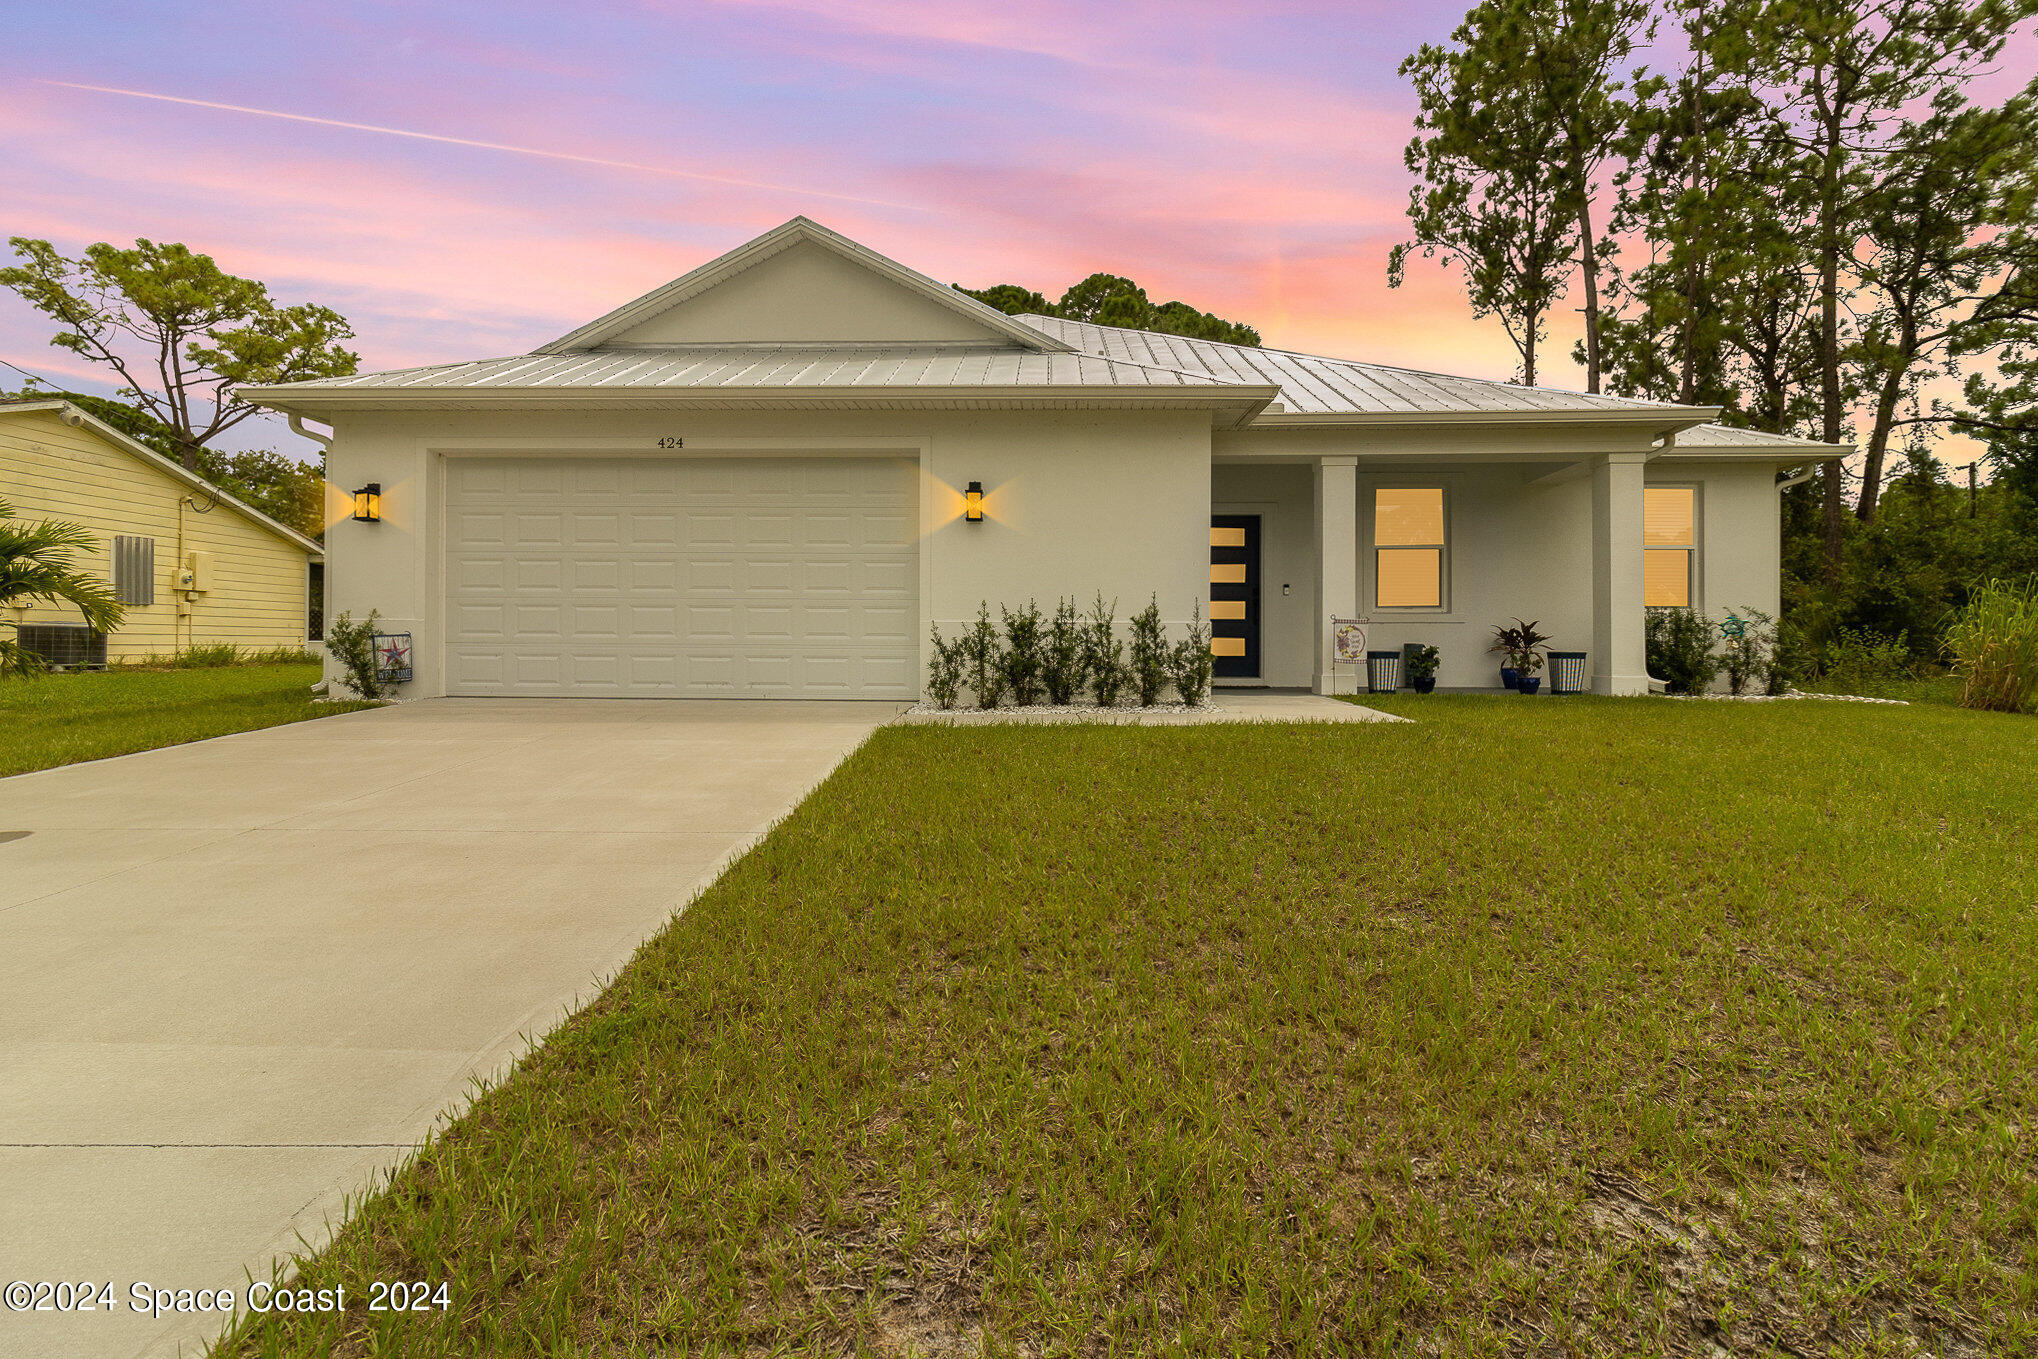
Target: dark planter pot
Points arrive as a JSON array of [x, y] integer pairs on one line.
[[1423, 684], [1510, 677], [1530, 683]]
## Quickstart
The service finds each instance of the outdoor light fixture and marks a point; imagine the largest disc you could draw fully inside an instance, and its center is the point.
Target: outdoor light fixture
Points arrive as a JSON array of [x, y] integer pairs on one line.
[[368, 503], [973, 503]]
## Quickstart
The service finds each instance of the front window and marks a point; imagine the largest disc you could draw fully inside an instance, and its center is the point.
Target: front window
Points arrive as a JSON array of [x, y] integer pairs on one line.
[[1408, 547], [1669, 545]]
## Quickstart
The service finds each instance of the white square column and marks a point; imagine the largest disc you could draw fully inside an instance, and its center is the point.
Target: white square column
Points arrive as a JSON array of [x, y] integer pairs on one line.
[[1337, 565], [1619, 651]]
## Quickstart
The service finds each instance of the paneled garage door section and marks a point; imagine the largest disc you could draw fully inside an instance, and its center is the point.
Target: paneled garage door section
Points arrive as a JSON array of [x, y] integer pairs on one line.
[[657, 578]]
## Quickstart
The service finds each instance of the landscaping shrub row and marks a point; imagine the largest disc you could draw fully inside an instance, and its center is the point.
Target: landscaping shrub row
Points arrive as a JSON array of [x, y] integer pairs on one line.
[[1036, 658]]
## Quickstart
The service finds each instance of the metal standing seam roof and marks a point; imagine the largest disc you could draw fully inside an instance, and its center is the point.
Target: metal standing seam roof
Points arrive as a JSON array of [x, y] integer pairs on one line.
[[1313, 385], [1728, 438], [697, 367]]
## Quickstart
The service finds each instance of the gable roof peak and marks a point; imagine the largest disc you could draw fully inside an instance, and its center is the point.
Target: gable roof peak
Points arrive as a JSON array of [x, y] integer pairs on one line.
[[796, 231]]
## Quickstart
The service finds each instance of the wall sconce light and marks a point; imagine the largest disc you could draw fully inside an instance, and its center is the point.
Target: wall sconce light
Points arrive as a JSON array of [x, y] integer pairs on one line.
[[973, 503], [368, 503]]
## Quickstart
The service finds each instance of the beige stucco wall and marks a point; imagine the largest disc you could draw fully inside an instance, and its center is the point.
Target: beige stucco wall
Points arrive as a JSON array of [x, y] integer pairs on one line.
[[806, 294], [50, 470], [1076, 502]]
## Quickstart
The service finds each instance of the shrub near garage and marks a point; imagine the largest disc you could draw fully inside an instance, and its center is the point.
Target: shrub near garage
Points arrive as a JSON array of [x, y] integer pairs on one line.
[[1038, 657]]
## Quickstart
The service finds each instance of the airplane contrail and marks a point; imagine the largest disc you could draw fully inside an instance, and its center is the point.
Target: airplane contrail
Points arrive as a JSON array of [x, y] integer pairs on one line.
[[485, 146]]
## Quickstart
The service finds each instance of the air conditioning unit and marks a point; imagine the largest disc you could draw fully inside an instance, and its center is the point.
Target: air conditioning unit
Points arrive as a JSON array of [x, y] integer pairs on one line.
[[65, 646]]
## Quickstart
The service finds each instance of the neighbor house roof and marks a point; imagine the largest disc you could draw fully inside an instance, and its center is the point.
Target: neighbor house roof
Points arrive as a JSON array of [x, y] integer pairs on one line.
[[1318, 390], [169, 467]]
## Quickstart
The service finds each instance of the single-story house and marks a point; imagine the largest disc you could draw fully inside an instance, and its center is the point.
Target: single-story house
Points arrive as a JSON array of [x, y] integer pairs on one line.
[[755, 481], [193, 566]]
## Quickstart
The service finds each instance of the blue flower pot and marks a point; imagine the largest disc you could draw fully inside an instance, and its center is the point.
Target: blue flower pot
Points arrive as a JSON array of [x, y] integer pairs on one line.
[[1529, 684], [1510, 677], [1427, 684]]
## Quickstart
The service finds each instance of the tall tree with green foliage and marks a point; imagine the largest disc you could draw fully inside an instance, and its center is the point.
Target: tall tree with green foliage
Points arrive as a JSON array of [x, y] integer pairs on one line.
[[1846, 77], [1942, 228], [2001, 401], [1110, 300], [1722, 312], [1489, 198], [182, 334], [1522, 114]]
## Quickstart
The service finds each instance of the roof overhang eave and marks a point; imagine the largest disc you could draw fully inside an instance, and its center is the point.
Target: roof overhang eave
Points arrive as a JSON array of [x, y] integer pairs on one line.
[[1237, 403], [1780, 455], [1665, 419]]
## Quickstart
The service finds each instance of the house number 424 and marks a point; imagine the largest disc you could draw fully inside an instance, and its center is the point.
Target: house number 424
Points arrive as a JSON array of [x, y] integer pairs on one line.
[[671, 442]]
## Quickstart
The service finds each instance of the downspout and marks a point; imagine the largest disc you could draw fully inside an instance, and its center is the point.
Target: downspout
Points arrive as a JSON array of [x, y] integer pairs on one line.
[[325, 442], [1800, 479]]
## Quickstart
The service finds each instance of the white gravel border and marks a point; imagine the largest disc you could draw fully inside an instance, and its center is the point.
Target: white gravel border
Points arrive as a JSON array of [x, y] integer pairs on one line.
[[1795, 693], [1065, 710]]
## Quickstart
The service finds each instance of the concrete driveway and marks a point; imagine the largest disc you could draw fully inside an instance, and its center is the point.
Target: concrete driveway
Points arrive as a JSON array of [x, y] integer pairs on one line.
[[239, 978]]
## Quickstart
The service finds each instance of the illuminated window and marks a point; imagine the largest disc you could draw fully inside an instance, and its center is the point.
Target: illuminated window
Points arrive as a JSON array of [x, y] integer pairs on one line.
[[1669, 545], [1408, 547]]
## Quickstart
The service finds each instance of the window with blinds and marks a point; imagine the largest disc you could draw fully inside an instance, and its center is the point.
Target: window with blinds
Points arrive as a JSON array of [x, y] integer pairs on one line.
[[1669, 545], [1408, 547], [134, 569]]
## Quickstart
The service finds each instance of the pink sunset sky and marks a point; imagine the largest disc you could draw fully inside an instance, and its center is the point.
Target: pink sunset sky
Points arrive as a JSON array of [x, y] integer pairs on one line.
[[470, 180]]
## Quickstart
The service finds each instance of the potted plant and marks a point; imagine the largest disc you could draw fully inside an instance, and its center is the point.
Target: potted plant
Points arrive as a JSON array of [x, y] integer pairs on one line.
[[1520, 656], [1421, 663]]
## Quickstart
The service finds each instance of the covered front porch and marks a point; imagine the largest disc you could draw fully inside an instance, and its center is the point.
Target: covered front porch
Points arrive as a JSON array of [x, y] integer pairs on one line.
[[1440, 552]]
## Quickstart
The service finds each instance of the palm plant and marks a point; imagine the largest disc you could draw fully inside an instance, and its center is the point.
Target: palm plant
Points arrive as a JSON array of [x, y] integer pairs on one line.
[[1521, 646], [38, 561]]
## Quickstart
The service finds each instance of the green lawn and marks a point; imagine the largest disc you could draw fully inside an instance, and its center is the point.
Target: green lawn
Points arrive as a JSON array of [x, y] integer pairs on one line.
[[1572, 1026], [1936, 687], [61, 719]]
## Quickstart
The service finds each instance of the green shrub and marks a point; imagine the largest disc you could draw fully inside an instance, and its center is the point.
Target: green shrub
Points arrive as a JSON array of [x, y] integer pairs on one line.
[[1422, 662], [1860, 659], [207, 657], [219, 654], [1192, 664], [1749, 654], [1151, 657], [1104, 654], [1680, 650], [353, 646], [1994, 645], [945, 663], [1023, 661], [984, 659], [1062, 659], [1520, 647]]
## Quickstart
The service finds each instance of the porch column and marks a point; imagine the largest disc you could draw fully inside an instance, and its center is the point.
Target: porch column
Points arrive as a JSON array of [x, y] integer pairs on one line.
[[1619, 659], [1337, 564]]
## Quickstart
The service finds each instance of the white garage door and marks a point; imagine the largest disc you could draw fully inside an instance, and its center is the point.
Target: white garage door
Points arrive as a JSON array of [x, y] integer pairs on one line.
[[658, 578]]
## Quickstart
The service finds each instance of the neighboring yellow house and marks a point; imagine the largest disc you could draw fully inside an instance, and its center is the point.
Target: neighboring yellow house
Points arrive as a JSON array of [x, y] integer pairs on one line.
[[193, 566]]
